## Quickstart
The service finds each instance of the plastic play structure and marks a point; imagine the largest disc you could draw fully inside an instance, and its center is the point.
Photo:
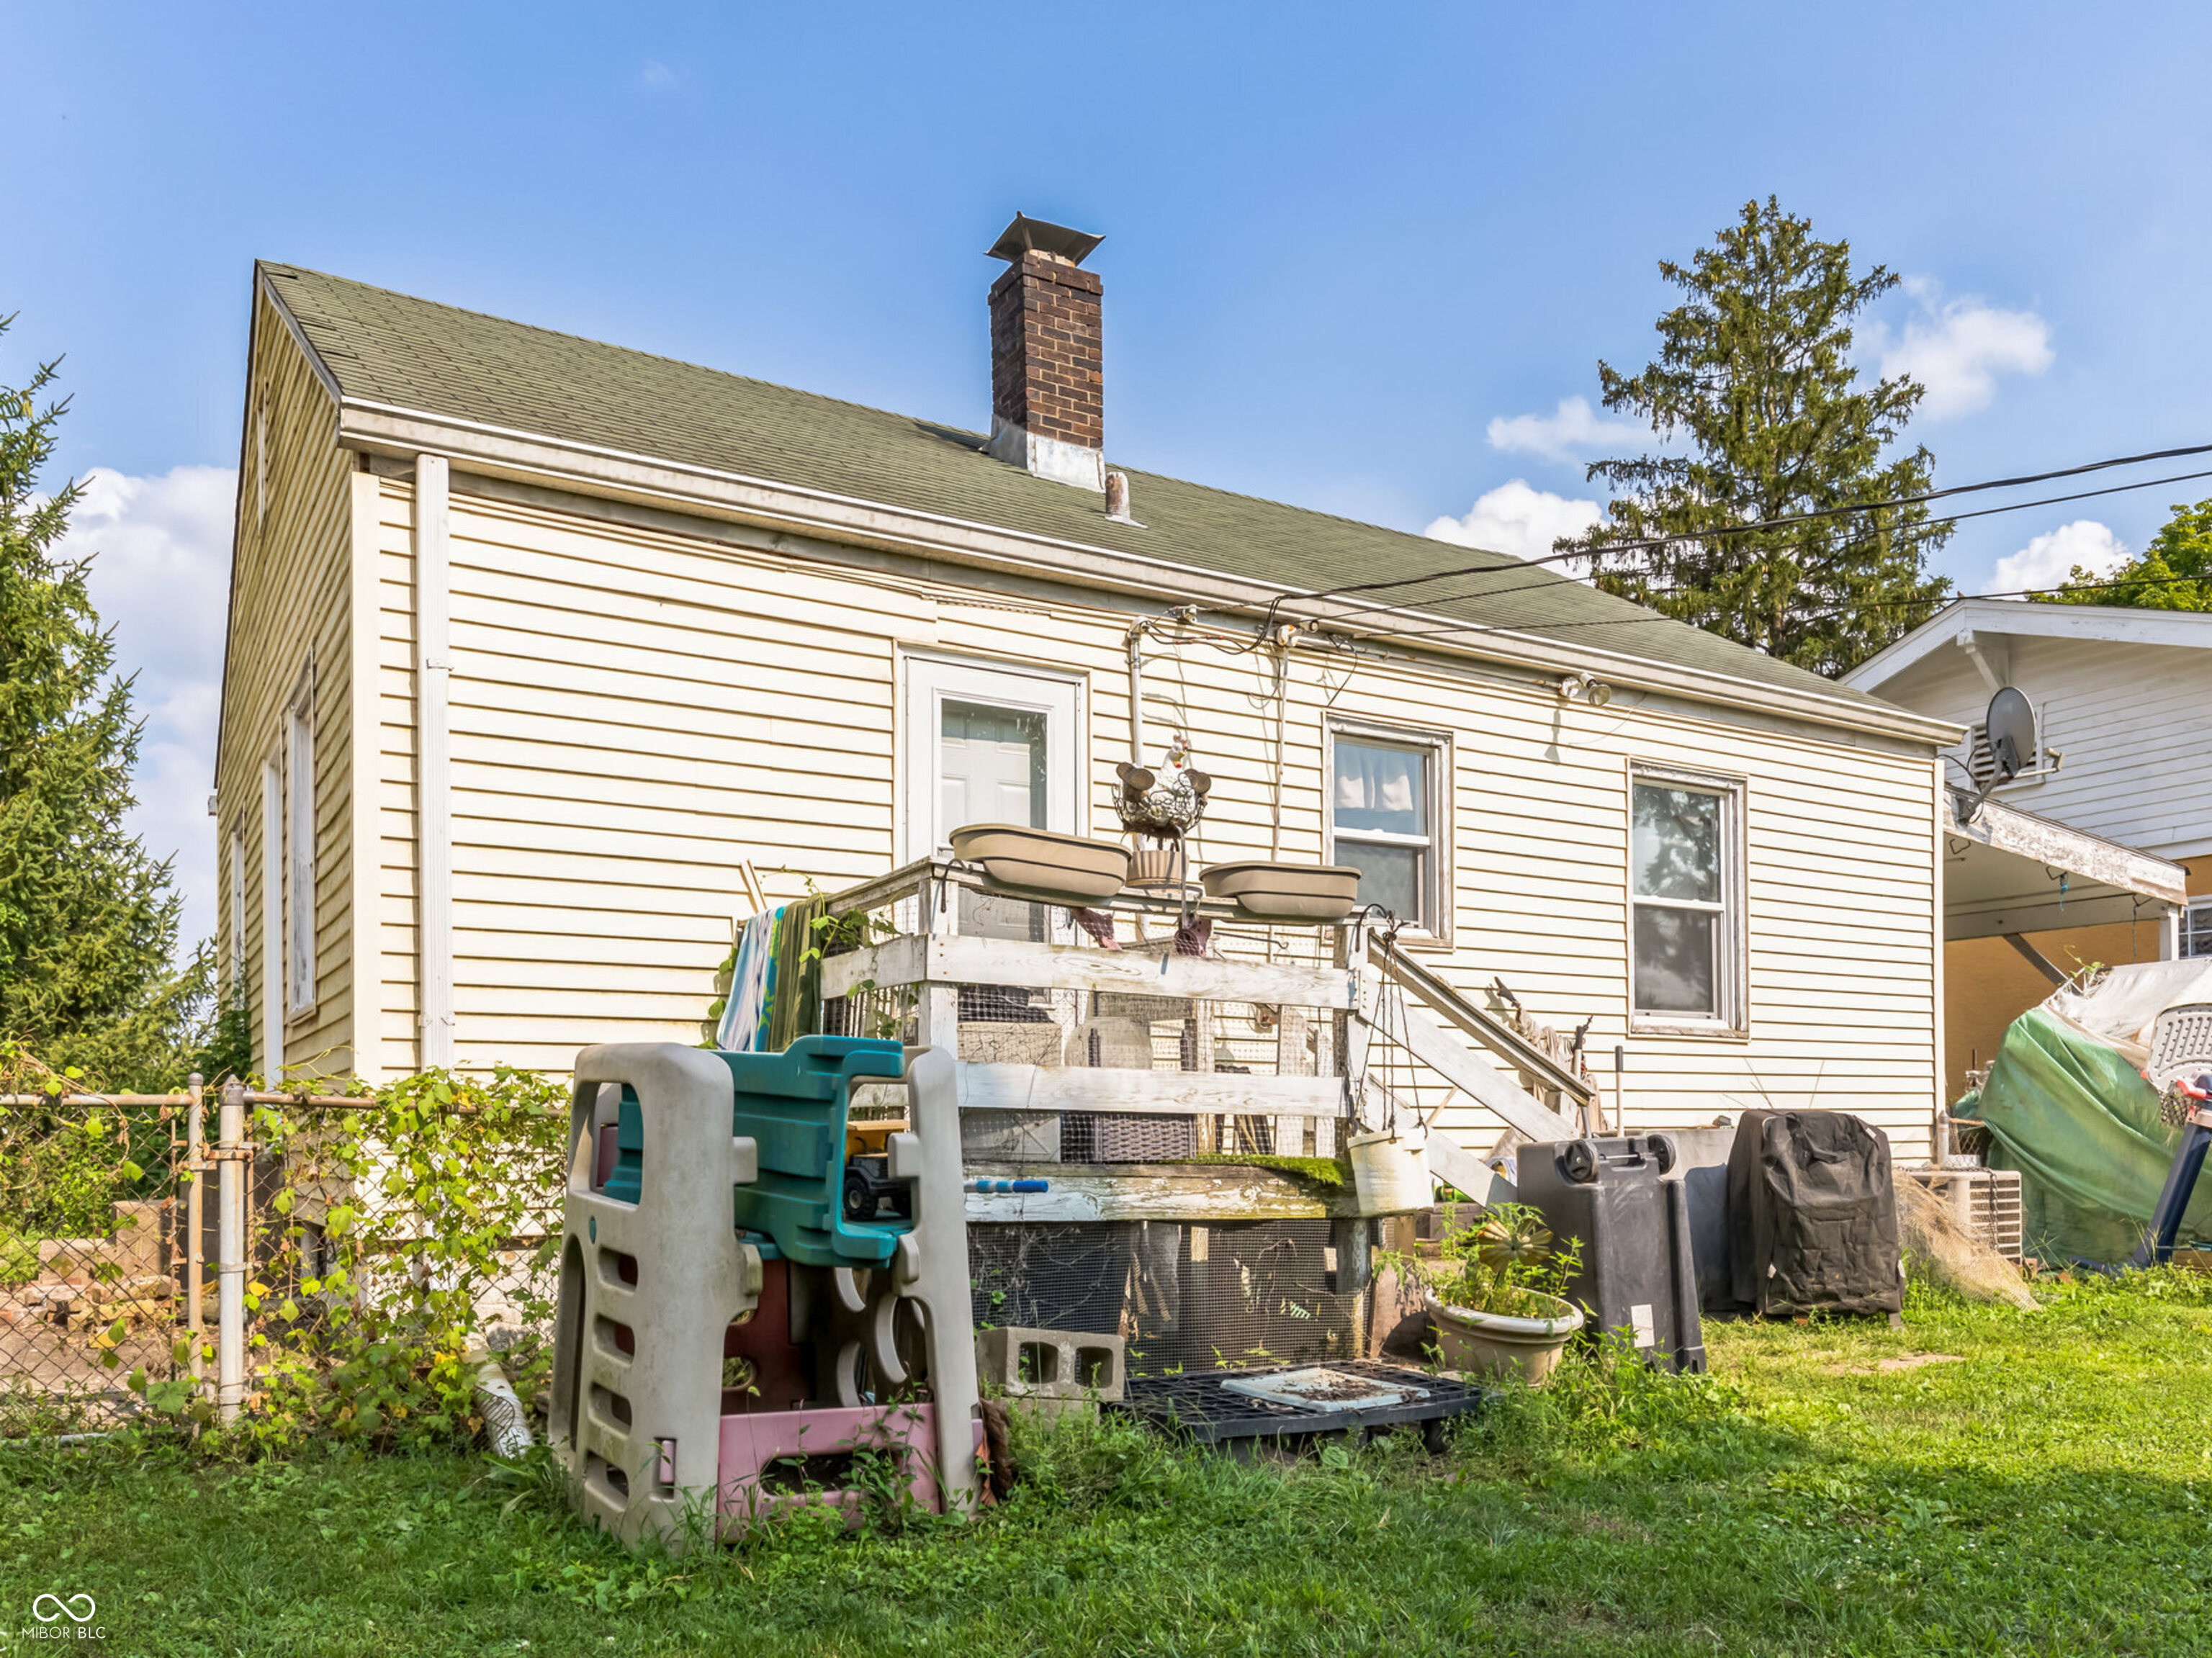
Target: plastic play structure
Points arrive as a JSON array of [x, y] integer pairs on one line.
[[755, 1291]]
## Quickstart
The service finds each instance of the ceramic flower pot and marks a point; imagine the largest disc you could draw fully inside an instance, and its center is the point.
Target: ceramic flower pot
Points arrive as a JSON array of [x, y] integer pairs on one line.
[[1067, 867], [1501, 1345]]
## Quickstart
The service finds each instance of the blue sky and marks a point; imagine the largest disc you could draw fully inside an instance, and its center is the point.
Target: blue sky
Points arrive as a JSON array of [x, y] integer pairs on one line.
[[1356, 258]]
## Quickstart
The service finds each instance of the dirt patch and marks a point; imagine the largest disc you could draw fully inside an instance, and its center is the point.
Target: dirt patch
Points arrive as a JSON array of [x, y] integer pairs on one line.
[[1906, 1362]]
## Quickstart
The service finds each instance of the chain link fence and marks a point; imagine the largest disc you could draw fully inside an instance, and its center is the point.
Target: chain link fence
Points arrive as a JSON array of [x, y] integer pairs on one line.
[[94, 1218], [339, 1261]]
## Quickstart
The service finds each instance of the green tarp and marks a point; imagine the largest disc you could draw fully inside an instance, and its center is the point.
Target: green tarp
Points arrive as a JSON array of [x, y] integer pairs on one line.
[[2081, 1126]]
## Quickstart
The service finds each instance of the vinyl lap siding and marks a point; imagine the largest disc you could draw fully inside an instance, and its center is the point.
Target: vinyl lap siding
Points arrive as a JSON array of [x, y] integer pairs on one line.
[[635, 714], [2122, 713], [290, 607]]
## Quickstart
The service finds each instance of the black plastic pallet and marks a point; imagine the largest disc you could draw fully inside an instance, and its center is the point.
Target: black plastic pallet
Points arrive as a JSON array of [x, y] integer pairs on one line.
[[1196, 1404]]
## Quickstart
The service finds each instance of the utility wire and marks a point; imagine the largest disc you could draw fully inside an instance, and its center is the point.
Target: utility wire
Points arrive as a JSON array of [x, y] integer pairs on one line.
[[1449, 630], [1949, 517], [1815, 515]]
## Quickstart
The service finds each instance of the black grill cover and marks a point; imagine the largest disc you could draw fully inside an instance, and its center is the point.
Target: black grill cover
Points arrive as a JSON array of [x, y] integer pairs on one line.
[[1813, 1214]]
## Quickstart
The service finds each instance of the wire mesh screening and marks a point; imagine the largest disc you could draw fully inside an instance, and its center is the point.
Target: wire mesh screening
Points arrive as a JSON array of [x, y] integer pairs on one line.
[[1181, 1296]]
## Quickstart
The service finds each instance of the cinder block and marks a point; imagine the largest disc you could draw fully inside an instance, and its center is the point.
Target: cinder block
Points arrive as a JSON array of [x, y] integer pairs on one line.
[[1066, 1364]]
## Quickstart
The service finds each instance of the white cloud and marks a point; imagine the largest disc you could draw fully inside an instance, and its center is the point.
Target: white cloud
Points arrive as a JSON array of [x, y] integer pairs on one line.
[[1573, 429], [2048, 559], [1519, 519], [1956, 348], [159, 577], [655, 73]]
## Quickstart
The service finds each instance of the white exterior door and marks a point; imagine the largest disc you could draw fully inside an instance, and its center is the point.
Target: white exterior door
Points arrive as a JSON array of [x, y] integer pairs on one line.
[[988, 745]]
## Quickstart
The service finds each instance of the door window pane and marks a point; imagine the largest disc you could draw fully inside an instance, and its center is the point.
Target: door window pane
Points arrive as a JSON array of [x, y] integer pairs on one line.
[[1388, 876], [1381, 786], [993, 765], [1675, 960], [1676, 851]]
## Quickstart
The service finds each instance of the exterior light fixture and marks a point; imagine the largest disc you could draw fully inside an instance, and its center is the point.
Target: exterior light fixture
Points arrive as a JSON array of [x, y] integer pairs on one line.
[[1595, 692]]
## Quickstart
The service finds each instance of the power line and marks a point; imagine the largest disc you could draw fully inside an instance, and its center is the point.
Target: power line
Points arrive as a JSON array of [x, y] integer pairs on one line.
[[1815, 515], [1449, 629], [1949, 517]]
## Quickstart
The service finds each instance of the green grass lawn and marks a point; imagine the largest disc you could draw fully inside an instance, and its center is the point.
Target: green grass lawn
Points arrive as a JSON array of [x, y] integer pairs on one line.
[[1981, 1481]]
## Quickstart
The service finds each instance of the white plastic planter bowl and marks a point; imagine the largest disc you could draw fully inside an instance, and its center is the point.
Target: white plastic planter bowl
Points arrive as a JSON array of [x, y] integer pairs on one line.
[[1286, 892], [1498, 1345], [1068, 866]]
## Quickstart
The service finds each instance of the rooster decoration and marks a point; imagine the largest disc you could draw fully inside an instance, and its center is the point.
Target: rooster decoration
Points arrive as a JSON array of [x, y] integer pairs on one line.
[[1162, 804]]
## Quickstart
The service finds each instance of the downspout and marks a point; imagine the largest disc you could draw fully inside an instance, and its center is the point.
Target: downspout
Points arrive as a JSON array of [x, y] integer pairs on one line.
[[434, 751], [1284, 635], [1136, 648]]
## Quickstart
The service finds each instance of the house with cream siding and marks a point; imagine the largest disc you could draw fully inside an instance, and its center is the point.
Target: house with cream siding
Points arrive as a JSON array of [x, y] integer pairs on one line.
[[541, 650]]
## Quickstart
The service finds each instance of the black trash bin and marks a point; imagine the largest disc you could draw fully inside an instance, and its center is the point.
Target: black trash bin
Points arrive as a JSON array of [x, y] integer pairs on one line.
[[1639, 1271]]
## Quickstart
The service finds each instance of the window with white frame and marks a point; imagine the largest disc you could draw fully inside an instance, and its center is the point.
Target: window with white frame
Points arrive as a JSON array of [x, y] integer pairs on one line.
[[1686, 931], [1385, 820], [236, 895], [299, 846], [2196, 927]]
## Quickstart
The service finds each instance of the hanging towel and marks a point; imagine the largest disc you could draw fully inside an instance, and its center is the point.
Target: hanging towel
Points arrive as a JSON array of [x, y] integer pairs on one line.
[[794, 1003], [744, 1016], [775, 983]]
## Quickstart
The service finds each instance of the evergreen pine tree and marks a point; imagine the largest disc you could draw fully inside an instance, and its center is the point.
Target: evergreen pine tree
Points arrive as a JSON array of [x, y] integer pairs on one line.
[[88, 916], [1753, 371]]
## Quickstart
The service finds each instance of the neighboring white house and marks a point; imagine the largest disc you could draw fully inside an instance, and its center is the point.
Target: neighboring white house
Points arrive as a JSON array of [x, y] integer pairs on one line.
[[536, 643], [2109, 826]]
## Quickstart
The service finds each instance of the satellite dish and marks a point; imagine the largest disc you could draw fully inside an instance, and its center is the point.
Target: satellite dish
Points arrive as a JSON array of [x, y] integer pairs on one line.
[[2009, 730], [2011, 726]]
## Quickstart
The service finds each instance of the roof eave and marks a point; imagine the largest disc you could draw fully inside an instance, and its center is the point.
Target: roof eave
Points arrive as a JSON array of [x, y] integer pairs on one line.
[[533, 458], [2104, 623]]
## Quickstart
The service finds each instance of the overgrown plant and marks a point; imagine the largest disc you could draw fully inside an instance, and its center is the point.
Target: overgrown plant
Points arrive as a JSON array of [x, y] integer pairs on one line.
[[403, 1233], [1506, 1262], [63, 1167]]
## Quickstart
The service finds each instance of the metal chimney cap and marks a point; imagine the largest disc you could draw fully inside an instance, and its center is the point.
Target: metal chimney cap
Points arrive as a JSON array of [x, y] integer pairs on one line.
[[1026, 235]]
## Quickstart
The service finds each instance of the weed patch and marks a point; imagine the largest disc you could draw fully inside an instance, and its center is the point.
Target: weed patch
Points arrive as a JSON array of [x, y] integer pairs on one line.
[[2043, 1492]]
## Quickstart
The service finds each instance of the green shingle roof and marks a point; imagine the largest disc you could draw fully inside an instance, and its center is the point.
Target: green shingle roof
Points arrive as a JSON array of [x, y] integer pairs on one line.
[[414, 355]]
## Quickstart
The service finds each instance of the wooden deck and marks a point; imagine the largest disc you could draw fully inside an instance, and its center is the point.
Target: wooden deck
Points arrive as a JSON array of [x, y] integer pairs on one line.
[[1268, 1040]]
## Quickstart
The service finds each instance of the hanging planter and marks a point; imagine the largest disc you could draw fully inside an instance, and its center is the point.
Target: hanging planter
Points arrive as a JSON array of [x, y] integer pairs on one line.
[[1286, 892], [1067, 868], [1390, 1169]]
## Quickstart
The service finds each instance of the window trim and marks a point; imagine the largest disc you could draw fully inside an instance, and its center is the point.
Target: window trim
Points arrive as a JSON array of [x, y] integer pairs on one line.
[[302, 875], [235, 894], [1440, 897], [928, 677], [1733, 963], [2190, 911]]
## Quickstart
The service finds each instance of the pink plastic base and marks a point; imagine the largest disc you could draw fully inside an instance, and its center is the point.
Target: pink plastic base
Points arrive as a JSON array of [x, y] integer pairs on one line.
[[749, 1443]]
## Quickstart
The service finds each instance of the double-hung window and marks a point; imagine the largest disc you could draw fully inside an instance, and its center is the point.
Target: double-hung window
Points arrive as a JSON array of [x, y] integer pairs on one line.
[[1685, 907], [1386, 794]]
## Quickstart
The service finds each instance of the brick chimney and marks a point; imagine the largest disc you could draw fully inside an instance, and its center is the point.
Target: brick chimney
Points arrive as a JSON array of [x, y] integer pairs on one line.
[[1047, 390]]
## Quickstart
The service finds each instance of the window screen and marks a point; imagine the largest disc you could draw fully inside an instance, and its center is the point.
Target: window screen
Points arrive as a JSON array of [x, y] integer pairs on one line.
[[1383, 824]]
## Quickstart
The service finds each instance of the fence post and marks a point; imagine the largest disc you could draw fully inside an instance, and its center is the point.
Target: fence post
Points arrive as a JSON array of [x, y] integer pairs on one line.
[[195, 1219], [230, 1269]]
